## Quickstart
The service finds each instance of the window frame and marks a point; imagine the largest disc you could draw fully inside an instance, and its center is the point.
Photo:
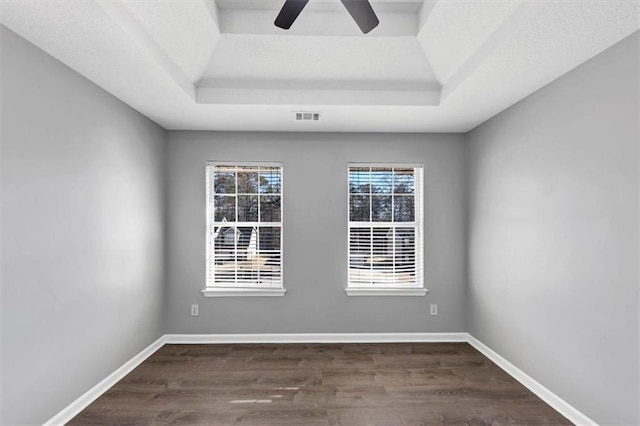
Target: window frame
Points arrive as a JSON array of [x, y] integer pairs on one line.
[[211, 289], [418, 288]]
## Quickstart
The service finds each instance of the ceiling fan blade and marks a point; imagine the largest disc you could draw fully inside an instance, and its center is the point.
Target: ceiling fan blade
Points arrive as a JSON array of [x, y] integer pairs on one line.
[[289, 12], [362, 12]]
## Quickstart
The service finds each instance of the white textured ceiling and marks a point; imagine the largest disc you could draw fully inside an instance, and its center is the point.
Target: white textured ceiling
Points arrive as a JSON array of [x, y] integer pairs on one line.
[[430, 66]]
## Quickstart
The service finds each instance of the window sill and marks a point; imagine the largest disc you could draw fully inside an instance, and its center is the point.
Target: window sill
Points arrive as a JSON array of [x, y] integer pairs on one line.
[[242, 292], [386, 291]]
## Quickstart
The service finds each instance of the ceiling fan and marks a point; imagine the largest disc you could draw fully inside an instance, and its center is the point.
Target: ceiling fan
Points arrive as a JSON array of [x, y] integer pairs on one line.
[[360, 10]]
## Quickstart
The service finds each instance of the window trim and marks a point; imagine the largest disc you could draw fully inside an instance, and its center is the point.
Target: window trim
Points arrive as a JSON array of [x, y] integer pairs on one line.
[[242, 292], [223, 290], [386, 291], [419, 288]]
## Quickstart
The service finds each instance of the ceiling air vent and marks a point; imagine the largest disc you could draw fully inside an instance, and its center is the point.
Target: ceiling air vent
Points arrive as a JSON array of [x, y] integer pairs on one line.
[[307, 116]]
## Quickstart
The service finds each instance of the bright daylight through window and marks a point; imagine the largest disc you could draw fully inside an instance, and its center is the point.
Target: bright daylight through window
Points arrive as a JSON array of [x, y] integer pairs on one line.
[[385, 230], [244, 230]]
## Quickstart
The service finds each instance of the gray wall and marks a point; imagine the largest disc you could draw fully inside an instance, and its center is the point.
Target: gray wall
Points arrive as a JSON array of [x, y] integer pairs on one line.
[[82, 278], [553, 244], [315, 234]]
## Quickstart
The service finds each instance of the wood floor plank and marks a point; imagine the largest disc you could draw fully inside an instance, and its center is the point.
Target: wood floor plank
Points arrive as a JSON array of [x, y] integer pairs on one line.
[[318, 384]]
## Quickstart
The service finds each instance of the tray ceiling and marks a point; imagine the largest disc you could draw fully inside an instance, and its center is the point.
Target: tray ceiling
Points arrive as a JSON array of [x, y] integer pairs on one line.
[[430, 66]]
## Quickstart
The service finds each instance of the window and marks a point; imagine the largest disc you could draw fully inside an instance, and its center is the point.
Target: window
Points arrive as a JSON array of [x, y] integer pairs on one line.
[[244, 230], [385, 230]]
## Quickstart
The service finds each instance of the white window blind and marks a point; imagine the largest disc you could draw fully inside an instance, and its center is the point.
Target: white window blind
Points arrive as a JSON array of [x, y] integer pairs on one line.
[[244, 226], [385, 226]]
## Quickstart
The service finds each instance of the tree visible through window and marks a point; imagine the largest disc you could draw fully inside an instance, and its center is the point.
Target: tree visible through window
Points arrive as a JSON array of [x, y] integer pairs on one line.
[[244, 226], [385, 226]]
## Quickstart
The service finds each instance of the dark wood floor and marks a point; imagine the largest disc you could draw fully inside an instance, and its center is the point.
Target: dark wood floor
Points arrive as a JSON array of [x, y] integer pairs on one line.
[[318, 384]]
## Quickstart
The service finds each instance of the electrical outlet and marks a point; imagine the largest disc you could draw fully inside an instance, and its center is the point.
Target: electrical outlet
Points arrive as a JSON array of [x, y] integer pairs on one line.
[[194, 310], [434, 309]]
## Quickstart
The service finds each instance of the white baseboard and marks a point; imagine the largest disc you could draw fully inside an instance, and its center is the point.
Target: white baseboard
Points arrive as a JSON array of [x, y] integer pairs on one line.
[[559, 404], [542, 392], [316, 338], [92, 394]]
